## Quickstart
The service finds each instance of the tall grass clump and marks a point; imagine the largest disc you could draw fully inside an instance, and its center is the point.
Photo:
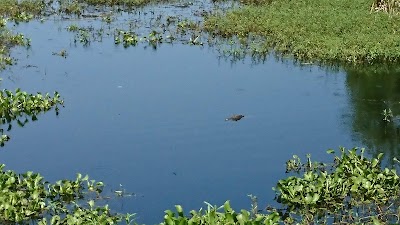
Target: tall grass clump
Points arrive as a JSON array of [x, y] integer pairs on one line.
[[334, 31], [390, 6]]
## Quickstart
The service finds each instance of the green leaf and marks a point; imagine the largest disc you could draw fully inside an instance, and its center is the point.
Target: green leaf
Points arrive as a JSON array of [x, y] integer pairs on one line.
[[330, 151], [315, 198], [227, 207], [179, 209]]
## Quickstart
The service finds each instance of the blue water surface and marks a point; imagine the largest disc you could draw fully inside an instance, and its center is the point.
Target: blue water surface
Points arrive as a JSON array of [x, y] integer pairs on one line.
[[154, 121]]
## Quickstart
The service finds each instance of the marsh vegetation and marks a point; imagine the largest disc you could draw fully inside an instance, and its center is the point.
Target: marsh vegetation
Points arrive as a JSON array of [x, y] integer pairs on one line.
[[317, 31], [353, 188]]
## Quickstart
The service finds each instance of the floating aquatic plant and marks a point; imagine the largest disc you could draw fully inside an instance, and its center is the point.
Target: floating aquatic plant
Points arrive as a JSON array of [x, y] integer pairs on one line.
[[19, 106]]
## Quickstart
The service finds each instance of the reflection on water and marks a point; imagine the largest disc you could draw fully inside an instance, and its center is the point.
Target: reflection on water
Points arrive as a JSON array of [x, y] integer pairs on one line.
[[371, 92], [154, 121]]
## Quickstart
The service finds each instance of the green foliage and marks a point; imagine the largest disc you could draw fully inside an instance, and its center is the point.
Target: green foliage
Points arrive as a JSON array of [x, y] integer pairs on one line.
[[27, 197], [351, 190], [71, 7], [354, 189], [73, 28], [213, 215], [184, 25], [129, 38], [21, 10], [154, 38], [8, 40], [126, 38], [22, 196], [328, 31], [20, 106], [83, 35]]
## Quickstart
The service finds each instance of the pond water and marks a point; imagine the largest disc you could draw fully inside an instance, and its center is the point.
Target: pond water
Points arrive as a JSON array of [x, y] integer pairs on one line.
[[154, 121]]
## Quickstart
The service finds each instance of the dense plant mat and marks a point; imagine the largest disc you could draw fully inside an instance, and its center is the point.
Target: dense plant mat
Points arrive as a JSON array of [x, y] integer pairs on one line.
[[353, 189], [315, 30], [27, 198]]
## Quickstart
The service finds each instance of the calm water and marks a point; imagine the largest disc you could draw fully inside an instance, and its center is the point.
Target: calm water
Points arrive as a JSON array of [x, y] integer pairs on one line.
[[153, 121]]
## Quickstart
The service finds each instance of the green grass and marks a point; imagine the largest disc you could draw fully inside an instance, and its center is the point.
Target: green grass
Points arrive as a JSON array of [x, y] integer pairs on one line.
[[316, 30]]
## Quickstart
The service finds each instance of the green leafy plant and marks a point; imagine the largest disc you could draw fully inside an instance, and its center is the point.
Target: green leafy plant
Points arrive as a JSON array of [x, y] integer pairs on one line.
[[214, 215], [73, 28], [21, 10], [28, 197], [155, 38], [8, 40], [71, 7], [353, 189], [126, 38], [20, 106]]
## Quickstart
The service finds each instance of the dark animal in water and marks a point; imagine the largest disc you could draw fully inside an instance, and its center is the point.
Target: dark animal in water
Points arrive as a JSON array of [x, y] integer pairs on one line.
[[234, 118]]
